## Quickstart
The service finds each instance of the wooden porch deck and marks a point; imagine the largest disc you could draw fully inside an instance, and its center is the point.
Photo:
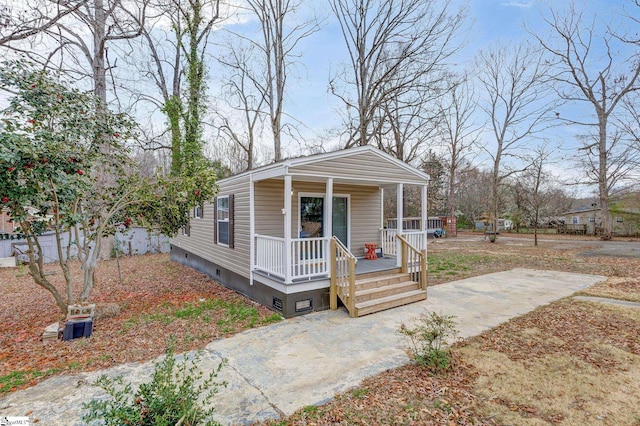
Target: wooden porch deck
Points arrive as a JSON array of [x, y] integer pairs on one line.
[[364, 266]]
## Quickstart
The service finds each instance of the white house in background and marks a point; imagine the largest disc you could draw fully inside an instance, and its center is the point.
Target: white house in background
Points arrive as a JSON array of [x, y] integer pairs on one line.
[[292, 235]]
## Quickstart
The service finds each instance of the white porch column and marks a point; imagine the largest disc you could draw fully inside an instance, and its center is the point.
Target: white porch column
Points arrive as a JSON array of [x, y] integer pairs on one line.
[[328, 209], [252, 229], [287, 228], [399, 220], [381, 209], [425, 225]]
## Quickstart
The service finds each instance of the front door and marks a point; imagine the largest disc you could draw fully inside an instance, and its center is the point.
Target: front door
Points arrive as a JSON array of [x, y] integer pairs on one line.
[[312, 217]]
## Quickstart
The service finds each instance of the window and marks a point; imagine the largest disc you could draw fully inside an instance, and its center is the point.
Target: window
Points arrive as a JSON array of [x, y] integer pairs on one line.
[[186, 230], [223, 228], [592, 219], [198, 211], [575, 220]]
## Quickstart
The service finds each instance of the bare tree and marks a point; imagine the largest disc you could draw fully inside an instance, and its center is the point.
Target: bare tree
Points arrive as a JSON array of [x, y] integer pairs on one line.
[[281, 33], [406, 123], [459, 134], [241, 121], [536, 189], [515, 82], [395, 48], [19, 21], [177, 69], [595, 73], [474, 192]]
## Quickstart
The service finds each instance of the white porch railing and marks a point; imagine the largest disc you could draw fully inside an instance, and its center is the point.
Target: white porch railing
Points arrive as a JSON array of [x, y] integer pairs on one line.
[[309, 257], [417, 239], [270, 255]]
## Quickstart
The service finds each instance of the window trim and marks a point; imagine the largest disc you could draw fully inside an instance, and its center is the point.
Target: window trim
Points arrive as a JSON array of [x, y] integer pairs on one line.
[[229, 220], [198, 209]]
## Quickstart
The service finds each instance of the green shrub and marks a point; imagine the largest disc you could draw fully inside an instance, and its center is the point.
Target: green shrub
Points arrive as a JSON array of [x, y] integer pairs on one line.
[[427, 340], [177, 394]]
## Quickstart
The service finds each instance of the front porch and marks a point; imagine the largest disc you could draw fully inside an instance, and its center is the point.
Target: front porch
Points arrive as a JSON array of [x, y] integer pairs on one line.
[[364, 286], [311, 219], [309, 260]]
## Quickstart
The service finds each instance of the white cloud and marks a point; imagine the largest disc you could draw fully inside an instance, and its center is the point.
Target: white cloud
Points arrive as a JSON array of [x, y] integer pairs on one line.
[[521, 4]]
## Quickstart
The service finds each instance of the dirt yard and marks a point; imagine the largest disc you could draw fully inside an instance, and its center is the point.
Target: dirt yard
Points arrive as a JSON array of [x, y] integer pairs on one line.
[[157, 299], [569, 363]]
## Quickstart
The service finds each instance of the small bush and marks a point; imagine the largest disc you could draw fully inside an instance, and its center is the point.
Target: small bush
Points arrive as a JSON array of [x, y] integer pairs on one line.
[[427, 340], [177, 394]]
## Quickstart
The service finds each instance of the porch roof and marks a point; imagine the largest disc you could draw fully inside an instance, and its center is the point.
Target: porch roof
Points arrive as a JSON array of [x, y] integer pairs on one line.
[[355, 165]]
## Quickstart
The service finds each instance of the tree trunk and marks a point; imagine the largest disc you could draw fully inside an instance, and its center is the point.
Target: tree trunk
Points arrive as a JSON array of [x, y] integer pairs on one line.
[[603, 190]]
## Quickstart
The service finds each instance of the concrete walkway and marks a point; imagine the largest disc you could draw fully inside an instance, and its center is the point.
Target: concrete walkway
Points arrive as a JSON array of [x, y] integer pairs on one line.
[[277, 369]]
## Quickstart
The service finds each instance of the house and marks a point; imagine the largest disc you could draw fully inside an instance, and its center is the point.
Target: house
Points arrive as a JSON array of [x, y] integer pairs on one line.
[[581, 222], [625, 220], [301, 235]]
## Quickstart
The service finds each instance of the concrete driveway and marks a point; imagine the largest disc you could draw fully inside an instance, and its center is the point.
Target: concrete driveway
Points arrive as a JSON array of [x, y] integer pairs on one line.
[[277, 369]]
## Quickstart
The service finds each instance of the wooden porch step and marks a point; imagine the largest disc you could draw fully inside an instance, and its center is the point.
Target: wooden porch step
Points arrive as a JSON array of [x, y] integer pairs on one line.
[[380, 280], [379, 273], [386, 290], [377, 305]]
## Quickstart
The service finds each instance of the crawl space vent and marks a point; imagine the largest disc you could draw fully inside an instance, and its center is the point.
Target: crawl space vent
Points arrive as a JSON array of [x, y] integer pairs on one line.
[[303, 305], [277, 304]]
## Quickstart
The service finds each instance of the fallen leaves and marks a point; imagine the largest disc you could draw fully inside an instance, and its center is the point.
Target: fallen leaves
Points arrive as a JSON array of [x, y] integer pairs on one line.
[[567, 327], [403, 396], [153, 288]]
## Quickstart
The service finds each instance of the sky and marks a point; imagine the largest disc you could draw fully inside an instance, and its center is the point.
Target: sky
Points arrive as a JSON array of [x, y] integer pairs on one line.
[[488, 21], [324, 52]]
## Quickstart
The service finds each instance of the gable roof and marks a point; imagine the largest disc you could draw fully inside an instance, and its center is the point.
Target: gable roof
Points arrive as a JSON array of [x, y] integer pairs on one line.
[[363, 163]]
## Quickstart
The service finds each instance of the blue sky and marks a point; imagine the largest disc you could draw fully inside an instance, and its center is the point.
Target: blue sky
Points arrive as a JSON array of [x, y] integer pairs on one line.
[[489, 20]]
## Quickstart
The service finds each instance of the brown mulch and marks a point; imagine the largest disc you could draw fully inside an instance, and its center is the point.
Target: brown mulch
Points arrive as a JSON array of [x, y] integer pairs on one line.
[[152, 290]]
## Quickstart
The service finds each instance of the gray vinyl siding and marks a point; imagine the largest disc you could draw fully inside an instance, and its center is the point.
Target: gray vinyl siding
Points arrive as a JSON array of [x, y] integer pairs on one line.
[[365, 165], [365, 216], [201, 243], [365, 202], [269, 202]]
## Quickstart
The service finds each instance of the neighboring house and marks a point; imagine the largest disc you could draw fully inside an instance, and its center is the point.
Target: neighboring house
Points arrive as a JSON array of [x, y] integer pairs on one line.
[[584, 221], [624, 222], [287, 235]]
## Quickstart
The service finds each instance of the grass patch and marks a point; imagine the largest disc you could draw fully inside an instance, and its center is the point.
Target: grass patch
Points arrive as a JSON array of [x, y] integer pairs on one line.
[[229, 315], [16, 379], [446, 264], [359, 393]]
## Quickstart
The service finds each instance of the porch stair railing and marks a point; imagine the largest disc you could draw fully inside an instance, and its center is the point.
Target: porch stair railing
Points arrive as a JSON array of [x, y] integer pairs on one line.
[[413, 261], [343, 278], [377, 291]]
